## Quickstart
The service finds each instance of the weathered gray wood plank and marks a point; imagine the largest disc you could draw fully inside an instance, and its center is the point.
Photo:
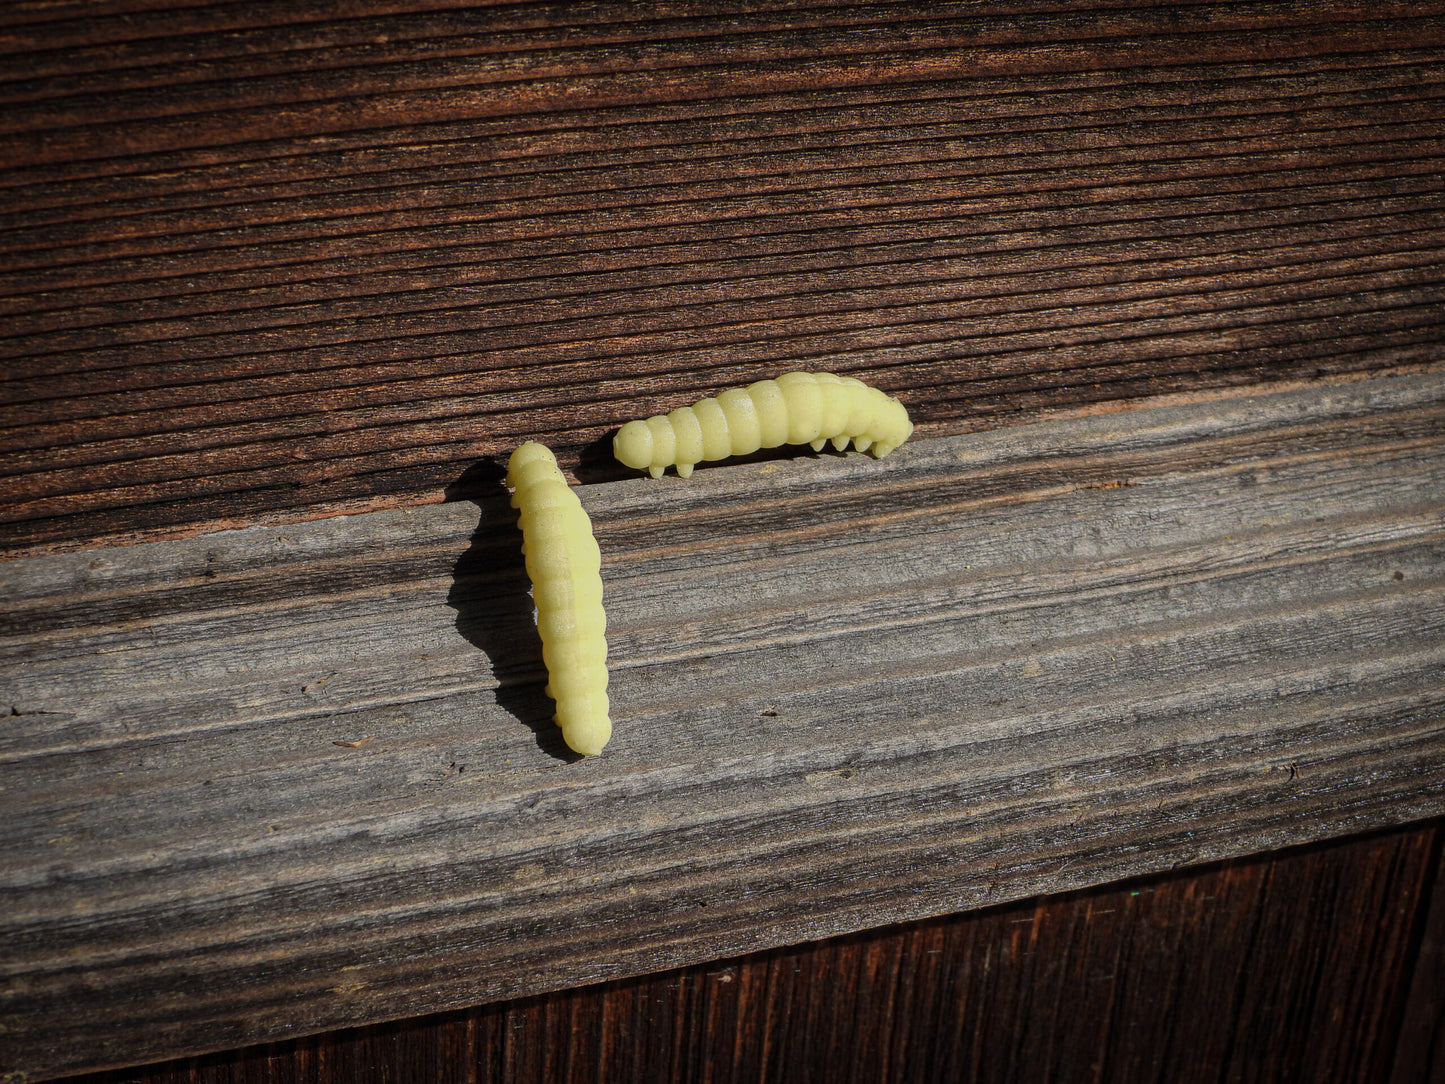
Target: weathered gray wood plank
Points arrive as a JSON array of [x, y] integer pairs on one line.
[[847, 693]]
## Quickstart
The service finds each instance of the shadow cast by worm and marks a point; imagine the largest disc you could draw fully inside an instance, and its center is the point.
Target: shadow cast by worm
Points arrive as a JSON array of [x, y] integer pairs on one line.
[[491, 595], [596, 463]]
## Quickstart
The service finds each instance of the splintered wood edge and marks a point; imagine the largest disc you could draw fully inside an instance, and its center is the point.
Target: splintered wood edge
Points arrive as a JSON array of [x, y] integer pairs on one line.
[[274, 781]]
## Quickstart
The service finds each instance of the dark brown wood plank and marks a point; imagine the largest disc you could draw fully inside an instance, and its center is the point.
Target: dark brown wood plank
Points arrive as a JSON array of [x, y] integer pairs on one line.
[[848, 693], [1290, 966], [1420, 1053], [282, 260]]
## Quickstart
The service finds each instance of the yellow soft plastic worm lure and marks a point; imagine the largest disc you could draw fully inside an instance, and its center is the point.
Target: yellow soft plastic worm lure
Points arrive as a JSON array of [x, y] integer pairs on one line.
[[796, 408], [566, 571]]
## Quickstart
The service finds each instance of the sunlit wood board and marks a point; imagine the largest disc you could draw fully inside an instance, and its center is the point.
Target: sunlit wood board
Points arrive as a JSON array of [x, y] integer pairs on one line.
[[273, 781]]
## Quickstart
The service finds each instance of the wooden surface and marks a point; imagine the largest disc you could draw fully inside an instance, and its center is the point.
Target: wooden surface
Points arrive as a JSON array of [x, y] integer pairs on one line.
[[267, 262], [1305, 965], [848, 692], [261, 261]]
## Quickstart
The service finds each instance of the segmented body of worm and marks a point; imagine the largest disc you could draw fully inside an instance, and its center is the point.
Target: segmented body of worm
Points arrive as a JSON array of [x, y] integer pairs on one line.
[[565, 567], [796, 408]]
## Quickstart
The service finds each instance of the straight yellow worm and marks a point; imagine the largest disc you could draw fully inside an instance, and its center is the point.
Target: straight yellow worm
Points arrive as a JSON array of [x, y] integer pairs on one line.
[[796, 408], [565, 567]]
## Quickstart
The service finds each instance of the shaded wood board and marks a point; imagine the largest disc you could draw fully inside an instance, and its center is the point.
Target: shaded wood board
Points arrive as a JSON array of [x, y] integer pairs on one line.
[[259, 261], [848, 692]]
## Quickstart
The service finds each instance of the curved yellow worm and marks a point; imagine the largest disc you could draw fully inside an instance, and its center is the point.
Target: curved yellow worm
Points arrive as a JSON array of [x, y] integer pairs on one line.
[[565, 567], [796, 408]]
